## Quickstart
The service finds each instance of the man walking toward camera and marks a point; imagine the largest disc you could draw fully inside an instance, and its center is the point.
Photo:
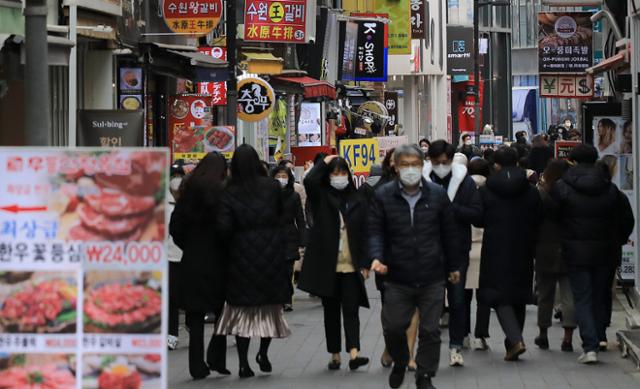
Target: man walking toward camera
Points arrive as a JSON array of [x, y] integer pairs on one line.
[[414, 242]]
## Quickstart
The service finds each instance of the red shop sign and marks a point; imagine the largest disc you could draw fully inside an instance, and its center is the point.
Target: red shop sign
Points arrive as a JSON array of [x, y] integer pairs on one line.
[[275, 21], [217, 90], [192, 17]]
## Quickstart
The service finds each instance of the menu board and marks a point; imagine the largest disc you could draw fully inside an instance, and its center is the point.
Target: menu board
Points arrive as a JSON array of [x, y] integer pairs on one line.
[[83, 280]]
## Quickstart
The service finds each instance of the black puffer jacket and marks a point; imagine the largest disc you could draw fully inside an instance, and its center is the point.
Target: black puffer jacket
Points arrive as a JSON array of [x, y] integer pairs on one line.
[[250, 221], [512, 213], [549, 257], [295, 227], [418, 253], [595, 221]]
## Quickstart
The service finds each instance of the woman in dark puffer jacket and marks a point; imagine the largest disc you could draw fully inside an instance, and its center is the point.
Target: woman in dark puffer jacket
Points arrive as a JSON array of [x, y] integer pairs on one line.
[[250, 221]]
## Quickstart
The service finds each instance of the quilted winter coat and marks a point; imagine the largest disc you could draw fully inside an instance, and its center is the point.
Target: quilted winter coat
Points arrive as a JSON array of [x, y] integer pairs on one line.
[[250, 221]]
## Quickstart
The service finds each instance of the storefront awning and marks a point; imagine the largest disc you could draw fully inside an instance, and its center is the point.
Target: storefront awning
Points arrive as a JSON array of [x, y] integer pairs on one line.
[[185, 62], [614, 62], [312, 88], [262, 63]]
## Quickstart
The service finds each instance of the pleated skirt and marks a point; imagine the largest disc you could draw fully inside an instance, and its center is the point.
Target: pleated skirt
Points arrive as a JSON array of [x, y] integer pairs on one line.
[[265, 321]]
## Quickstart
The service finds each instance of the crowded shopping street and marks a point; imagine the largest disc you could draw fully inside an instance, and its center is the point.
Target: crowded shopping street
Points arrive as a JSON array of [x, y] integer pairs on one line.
[[319, 194]]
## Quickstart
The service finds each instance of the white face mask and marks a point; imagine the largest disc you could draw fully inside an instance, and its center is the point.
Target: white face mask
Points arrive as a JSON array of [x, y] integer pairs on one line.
[[410, 176], [283, 181], [373, 180], [339, 182], [174, 183], [468, 142], [442, 170], [424, 149]]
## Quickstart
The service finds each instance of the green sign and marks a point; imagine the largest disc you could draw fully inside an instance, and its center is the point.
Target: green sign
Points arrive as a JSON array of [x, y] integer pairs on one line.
[[399, 14]]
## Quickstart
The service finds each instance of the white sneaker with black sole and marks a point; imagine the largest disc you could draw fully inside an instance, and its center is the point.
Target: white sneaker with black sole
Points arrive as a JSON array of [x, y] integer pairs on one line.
[[455, 358], [588, 358]]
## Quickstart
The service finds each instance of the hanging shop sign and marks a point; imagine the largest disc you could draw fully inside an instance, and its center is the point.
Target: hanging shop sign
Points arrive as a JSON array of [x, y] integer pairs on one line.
[[279, 21], [310, 125], [130, 88], [399, 12], [566, 86], [255, 99], [565, 42], [110, 128], [418, 28], [218, 89], [459, 50], [365, 52], [192, 133], [360, 155], [83, 267], [563, 148], [192, 17], [391, 103]]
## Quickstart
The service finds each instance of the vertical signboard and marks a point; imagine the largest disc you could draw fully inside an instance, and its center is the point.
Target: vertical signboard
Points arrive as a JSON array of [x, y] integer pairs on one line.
[[83, 280], [279, 21], [391, 104], [217, 90], [130, 88], [418, 27], [310, 125], [565, 42], [365, 50], [399, 12], [459, 50]]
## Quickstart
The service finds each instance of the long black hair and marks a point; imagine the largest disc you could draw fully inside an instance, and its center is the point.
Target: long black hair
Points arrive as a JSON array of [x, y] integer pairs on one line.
[[285, 169], [246, 167], [203, 186], [388, 172]]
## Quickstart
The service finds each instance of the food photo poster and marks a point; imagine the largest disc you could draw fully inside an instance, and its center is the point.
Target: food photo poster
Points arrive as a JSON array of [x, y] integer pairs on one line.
[[83, 278]]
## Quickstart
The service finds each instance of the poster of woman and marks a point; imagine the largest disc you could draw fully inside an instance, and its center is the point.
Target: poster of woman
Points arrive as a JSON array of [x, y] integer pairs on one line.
[[607, 134]]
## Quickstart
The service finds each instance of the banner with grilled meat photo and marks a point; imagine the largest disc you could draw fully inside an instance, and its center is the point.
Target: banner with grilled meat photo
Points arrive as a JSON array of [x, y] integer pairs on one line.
[[565, 42], [83, 261]]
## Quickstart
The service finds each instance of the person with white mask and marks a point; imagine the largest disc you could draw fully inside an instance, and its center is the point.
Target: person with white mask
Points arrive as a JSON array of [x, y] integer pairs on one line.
[[414, 241], [335, 264], [443, 170]]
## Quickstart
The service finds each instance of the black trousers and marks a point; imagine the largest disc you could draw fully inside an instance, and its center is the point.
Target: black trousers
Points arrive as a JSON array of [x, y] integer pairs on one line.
[[400, 304], [216, 351], [511, 319], [483, 316], [174, 321], [347, 298]]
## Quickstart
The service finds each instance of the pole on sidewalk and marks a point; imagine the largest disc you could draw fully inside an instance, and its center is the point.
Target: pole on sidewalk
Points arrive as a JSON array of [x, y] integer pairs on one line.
[[232, 84], [476, 68], [36, 74], [73, 73]]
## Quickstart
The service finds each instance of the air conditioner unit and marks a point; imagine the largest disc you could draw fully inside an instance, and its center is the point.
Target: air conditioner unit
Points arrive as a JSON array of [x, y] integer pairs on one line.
[[572, 3]]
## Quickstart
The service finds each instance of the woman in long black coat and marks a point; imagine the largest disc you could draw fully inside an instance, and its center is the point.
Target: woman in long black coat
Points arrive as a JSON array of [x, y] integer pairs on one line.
[[293, 216], [335, 262], [201, 271], [250, 222], [512, 212]]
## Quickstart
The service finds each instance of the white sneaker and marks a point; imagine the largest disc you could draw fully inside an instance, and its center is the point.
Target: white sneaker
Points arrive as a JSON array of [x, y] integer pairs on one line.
[[455, 358], [588, 358], [480, 344], [172, 342]]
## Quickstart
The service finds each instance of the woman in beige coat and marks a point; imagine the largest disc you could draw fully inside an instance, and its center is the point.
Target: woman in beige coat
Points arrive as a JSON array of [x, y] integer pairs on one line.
[[479, 170]]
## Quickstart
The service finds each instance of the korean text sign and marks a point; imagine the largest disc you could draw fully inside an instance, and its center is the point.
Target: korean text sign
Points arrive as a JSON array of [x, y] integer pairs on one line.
[[283, 21], [399, 12], [192, 17], [83, 278], [565, 42], [217, 90]]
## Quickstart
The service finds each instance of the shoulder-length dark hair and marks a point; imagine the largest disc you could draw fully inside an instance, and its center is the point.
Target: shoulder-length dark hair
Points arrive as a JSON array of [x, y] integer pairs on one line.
[[203, 185], [285, 169], [388, 172], [341, 165], [556, 168], [246, 167]]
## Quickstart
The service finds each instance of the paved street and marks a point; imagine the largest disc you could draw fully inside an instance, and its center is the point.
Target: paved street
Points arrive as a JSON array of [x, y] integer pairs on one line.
[[300, 361]]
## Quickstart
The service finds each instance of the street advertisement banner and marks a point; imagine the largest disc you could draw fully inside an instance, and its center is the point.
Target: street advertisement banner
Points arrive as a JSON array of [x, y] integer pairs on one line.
[[360, 155], [418, 28], [565, 42], [399, 13], [459, 50], [563, 148], [566, 86], [256, 99], [192, 133], [365, 57], [197, 18], [110, 128], [391, 104], [217, 90], [386, 143], [83, 274], [130, 88], [279, 21], [310, 125]]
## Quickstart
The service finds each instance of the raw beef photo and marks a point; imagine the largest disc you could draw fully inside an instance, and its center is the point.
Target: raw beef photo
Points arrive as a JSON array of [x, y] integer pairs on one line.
[[41, 371], [130, 371], [122, 302], [101, 206], [42, 302]]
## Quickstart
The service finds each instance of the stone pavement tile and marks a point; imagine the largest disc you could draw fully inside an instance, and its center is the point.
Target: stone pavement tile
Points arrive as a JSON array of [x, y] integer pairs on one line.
[[300, 361]]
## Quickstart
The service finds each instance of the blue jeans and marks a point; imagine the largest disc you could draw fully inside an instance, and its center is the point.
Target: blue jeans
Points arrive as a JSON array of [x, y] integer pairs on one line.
[[589, 286], [457, 311]]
